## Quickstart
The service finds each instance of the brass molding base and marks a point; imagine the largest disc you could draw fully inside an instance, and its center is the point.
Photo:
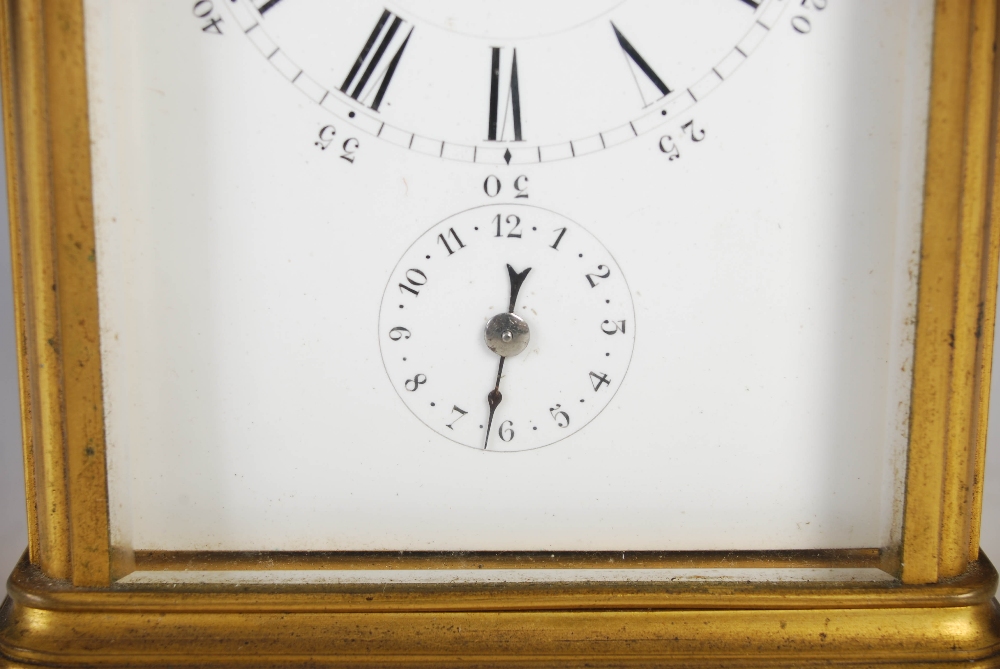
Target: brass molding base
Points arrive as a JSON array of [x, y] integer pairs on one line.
[[48, 622]]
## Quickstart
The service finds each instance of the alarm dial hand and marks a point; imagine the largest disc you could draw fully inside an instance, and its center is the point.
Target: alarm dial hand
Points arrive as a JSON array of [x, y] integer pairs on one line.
[[494, 398], [516, 280], [506, 334]]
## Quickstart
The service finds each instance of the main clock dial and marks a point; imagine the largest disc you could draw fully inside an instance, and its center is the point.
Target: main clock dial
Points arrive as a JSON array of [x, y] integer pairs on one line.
[[472, 81], [506, 327]]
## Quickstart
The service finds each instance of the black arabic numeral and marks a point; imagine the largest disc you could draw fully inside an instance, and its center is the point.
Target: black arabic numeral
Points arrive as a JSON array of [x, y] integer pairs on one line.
[[506, 431], [613, 327], [801, 23], [510, 220], [521, 186], [561, 231], [415, 382], [461, 415], [398, 333], [444, 240], [560, 417], [697, 135], [599, 380], [517, 224], [204, 9], [350, 145], [415, 278], [591, 277], [492, 186], [326, 135], [669, 147]]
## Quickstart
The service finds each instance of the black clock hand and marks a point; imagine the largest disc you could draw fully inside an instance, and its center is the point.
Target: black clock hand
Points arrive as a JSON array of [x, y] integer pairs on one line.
[[493, 399], [515, 285], [495, 396]]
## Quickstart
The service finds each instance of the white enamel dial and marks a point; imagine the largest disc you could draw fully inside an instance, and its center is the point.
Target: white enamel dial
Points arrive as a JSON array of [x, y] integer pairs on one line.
[[454, 279], [254, 222], [475, 82]]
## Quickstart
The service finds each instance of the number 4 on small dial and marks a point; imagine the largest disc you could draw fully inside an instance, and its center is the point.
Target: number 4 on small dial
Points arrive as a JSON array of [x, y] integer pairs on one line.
[[599, 380]]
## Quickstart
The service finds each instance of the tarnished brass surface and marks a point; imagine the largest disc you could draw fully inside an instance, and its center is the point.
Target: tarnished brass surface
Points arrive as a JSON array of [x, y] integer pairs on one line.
[[956, 515], [65, 609], [285, 560], [17, 266], [52, 234], [989, 307], [592, 624], [947, 382]]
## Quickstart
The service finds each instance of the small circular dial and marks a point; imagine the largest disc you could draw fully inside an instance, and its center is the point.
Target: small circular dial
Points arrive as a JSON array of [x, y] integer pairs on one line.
[[517, 82], [506, 327]]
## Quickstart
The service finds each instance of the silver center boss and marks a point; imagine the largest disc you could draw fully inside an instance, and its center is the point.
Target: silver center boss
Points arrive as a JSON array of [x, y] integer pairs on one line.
[[507, 334]]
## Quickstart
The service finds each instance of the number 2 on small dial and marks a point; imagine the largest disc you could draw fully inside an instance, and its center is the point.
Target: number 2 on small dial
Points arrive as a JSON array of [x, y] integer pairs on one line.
[[596, 275]]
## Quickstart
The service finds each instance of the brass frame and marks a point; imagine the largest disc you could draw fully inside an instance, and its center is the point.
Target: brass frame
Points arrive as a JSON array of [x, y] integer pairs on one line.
[[67, 608]]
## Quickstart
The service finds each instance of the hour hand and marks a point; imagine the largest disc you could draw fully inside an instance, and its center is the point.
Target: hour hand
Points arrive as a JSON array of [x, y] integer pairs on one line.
[[516, 279]]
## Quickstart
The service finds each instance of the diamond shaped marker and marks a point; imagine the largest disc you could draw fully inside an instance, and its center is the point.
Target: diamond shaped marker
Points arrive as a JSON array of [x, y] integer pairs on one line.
[[506, 156]]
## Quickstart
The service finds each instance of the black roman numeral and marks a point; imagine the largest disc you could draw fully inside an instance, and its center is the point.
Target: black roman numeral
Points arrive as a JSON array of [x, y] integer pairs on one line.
[[266, 6], [640, 62], [512, 103], [380, 40]]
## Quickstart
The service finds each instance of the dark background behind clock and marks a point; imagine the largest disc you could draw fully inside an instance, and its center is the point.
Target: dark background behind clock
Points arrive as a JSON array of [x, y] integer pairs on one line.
[[13, 536]]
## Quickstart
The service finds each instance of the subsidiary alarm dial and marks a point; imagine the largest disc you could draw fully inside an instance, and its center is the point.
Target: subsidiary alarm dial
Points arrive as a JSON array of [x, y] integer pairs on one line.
[[507, 327]]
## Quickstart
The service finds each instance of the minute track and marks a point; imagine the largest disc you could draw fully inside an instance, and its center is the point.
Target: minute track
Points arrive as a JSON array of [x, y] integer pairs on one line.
[[375, 91]]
